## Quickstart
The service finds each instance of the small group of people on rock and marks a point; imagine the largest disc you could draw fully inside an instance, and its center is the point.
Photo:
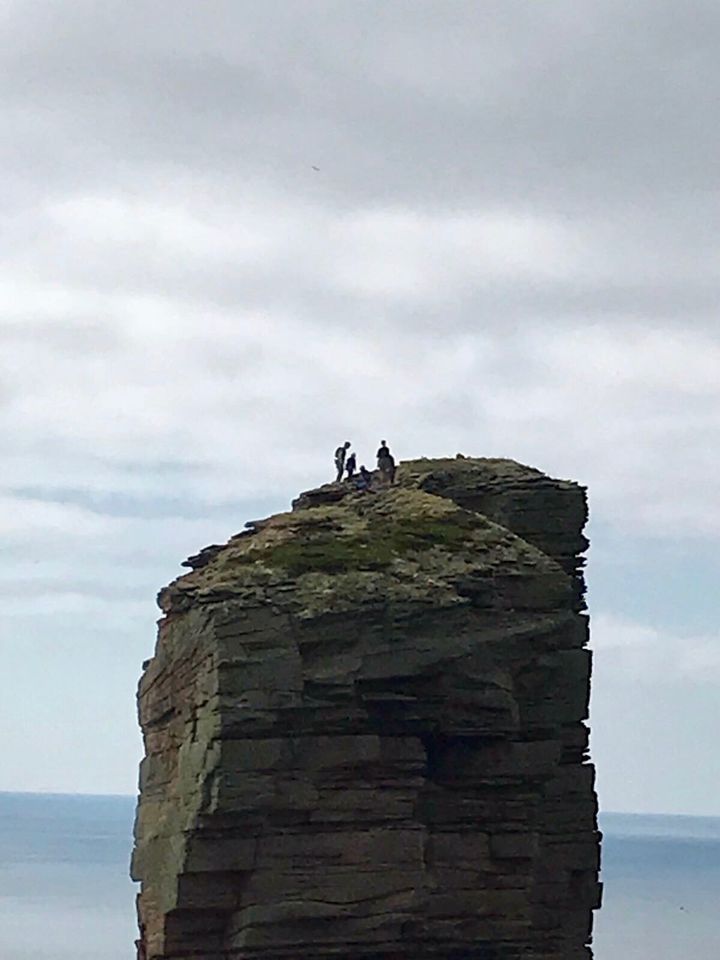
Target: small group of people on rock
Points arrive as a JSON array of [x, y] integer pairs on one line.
[[346, 464]]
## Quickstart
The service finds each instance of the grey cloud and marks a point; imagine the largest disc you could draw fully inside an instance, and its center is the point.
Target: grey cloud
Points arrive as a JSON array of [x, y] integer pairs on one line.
[[596, 119], [568, 105]]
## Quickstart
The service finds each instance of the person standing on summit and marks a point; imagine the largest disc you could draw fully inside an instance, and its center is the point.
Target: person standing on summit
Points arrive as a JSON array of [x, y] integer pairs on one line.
[[340, 455], [386, 462]]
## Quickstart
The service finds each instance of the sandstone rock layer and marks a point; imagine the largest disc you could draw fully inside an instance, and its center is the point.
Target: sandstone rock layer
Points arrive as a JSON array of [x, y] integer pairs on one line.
[[364, 730]]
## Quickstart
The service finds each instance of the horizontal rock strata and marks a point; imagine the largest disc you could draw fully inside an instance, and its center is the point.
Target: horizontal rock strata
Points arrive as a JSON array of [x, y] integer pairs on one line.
[[364, 730]]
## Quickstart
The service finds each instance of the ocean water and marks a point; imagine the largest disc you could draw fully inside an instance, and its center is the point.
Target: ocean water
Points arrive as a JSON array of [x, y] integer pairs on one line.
[[65, 892], [661, 879]]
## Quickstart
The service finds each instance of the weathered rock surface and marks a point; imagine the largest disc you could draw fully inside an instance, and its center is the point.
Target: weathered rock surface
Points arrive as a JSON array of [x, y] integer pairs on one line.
[[364, 730]]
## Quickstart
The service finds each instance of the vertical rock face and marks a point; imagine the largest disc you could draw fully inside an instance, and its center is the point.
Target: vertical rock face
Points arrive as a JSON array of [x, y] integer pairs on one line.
[[364, 730]]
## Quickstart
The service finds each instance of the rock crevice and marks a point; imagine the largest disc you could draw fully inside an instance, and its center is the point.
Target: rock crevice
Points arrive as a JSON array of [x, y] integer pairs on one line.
[[365, 734]]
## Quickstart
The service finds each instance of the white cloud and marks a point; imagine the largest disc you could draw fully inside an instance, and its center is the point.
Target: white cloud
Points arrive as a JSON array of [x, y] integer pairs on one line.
[[632, 653], [426, 257]]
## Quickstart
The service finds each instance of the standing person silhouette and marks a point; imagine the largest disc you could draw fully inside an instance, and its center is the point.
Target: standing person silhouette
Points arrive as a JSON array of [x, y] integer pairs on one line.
[[386, 462], [340, 455], [351, 465]]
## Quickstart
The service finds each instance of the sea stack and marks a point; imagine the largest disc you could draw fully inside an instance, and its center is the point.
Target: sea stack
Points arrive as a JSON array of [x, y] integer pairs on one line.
[[365, 730]]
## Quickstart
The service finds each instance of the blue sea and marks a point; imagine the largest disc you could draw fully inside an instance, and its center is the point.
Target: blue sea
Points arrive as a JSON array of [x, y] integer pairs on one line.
[[65, 892]]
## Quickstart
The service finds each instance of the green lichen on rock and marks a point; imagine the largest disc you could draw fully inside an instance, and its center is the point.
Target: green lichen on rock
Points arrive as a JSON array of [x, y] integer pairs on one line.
[[358, 536], [395, 546]]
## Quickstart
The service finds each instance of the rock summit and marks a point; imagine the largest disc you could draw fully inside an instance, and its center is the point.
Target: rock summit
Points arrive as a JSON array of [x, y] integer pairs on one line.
[[365, 734]]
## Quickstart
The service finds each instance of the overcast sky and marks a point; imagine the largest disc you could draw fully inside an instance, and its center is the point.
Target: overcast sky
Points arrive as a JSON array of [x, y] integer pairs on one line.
[[237, 233]]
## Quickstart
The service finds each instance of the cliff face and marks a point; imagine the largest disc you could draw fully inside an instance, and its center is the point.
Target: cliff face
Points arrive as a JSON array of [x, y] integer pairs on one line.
[[364, 730]]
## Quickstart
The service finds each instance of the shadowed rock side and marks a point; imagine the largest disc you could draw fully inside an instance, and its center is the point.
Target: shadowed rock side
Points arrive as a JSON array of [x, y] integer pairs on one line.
[[364, 730]]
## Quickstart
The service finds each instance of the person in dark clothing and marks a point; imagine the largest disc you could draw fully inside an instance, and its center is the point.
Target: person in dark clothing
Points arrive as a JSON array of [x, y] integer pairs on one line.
[[386, 463], [363, 480], [350, 466], [340, 455]]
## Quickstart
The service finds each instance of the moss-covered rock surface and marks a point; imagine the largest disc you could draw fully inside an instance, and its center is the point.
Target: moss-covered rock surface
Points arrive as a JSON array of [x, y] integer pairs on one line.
[[399, 542]]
